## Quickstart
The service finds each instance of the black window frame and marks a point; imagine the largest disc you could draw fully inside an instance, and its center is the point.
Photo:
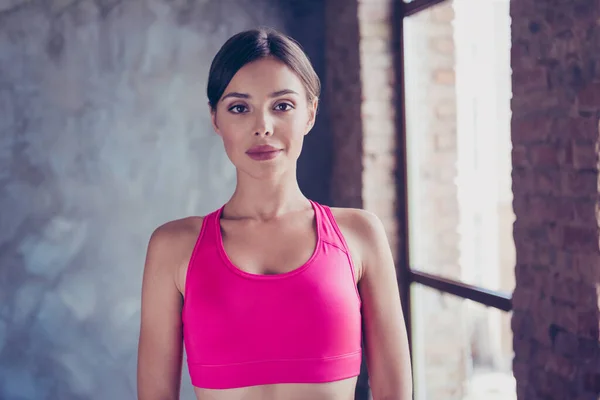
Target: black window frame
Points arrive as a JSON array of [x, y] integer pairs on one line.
[[408, 274]]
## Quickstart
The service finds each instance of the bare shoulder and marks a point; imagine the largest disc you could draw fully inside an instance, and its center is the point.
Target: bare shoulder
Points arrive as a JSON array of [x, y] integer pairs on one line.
[[171, 245], [173, 231], [160, 346], [361, 222], [386, 342], [365, 234]]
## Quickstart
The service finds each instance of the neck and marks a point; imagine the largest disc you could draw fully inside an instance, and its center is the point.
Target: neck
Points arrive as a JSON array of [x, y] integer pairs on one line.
[[265, 199]]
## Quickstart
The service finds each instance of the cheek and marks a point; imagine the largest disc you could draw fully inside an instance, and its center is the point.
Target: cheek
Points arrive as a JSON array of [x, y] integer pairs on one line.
[[296, 127], [232, 132], [296, 134], [290, 134]]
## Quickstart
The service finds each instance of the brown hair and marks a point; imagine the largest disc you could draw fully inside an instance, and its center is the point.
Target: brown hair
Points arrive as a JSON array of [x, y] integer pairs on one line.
[[248, 46]]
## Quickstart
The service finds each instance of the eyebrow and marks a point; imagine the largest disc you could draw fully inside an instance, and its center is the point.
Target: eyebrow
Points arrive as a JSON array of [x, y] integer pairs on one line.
[[247, 96]]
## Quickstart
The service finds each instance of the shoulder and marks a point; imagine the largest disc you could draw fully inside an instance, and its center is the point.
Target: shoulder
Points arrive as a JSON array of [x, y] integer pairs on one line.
[[171, 245], [361, 223], [174, 234], [365, 234]]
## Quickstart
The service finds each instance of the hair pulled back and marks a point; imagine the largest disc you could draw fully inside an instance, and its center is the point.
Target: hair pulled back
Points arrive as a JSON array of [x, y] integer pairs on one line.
[[252, 45]]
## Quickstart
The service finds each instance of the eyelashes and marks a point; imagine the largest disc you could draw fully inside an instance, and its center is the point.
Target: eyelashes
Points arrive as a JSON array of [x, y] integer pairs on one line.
[[242, 109], [287, 105], [237, 109]]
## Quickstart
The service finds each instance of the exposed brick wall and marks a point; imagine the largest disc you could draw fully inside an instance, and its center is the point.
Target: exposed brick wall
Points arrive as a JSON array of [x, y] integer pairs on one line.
[[359, 81], [556, 108], [378, 113], [555, 130]]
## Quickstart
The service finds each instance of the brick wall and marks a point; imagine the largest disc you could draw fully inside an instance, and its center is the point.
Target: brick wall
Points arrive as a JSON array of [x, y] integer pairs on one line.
[[556, 107], [378, 113], [555, 130], [359, 84]]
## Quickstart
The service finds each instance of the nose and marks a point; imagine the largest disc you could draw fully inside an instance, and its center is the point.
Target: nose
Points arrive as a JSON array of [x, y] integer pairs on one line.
[[263, 126]]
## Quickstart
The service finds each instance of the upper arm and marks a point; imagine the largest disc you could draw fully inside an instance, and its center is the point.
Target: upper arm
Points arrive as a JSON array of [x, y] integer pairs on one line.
[[386, 339], [160, 343]]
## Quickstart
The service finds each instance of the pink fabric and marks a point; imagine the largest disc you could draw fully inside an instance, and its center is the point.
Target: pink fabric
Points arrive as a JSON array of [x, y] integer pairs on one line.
[[243, 329]]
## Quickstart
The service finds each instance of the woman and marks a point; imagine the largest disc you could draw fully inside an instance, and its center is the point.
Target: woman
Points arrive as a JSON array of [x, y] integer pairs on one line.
[[268, 293]]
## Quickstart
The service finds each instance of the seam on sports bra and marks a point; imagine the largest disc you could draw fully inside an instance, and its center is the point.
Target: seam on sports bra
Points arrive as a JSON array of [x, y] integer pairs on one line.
[[191, 263], [346, 250], [337, 246], [283, 359]]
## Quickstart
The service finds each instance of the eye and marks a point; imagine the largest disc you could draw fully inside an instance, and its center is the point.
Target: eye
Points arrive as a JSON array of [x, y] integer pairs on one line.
[[238, 109], [283, 107]]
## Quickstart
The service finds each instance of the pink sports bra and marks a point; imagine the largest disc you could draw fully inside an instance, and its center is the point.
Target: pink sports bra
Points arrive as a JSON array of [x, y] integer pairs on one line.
[[242, 329]]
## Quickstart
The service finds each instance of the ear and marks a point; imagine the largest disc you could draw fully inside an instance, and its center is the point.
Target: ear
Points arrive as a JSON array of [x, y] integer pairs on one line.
[[213, 119], [312, 113]]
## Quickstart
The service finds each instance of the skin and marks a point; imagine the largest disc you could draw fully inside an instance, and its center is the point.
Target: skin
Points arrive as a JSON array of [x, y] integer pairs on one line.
[[268, 228]]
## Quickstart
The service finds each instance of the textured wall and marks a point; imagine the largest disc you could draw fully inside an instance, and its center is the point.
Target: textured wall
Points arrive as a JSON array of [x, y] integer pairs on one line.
[[556, 110], [361, 76], [378, 113], [104, 134]]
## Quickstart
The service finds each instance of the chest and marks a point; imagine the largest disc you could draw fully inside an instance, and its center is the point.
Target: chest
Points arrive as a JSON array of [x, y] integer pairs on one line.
[[311, 314], [269, 248]]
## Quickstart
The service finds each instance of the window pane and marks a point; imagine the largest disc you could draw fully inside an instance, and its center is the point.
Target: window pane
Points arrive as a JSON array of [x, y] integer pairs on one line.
[[461, 349], [458, 89]]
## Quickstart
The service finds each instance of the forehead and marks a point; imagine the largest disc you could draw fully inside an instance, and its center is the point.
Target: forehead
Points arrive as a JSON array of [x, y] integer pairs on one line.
[[265, 76]]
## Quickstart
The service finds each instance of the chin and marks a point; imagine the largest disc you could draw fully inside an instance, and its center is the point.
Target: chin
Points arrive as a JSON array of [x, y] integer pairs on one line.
[[266, 170]]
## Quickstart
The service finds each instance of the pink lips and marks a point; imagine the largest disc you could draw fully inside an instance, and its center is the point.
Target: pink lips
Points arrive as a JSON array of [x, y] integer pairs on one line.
[[263, 152]]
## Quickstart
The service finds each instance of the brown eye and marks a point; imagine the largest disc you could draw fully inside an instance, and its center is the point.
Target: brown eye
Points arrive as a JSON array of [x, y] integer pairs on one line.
[[283, 107], [238, 109]]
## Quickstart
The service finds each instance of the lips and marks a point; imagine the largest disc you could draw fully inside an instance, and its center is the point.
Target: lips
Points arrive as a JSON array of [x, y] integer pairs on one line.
[[265, 148], [263, 152]]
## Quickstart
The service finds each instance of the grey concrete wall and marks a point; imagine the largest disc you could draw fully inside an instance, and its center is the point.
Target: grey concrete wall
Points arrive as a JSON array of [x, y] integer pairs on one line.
[[104, 134]]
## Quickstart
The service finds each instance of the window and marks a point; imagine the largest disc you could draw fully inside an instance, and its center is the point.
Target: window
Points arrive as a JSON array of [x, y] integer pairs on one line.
[[456, 86]]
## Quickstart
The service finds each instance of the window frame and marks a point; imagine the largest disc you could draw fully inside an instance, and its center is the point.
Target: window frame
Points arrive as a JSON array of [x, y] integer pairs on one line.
[[407, 274]]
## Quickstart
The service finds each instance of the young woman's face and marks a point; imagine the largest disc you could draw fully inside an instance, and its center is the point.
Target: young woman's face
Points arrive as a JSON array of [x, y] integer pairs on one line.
[[263, 117]]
